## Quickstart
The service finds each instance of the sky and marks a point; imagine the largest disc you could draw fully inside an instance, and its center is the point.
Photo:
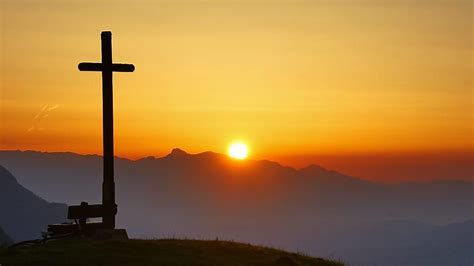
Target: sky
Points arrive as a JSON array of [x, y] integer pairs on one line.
[[347, 84]]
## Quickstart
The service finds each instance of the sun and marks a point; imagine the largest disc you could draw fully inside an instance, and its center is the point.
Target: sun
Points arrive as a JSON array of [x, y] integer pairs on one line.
[[238, 150]]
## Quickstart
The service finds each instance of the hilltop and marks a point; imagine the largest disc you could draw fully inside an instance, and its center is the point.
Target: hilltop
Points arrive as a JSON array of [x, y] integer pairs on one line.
[[170, 252]]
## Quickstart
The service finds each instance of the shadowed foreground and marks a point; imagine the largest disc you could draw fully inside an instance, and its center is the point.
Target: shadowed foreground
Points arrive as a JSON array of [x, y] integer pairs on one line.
[[152, 252]]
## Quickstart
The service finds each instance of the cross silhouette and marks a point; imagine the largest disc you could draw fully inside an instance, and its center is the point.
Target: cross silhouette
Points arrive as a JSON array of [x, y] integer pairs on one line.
[[107, 68]]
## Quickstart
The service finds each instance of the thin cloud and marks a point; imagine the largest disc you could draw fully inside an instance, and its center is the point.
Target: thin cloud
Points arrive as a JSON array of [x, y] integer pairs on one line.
[[42, 114], [51, 108]]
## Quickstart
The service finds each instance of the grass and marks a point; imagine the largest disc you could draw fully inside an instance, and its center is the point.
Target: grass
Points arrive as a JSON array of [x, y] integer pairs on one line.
[[152, 252]]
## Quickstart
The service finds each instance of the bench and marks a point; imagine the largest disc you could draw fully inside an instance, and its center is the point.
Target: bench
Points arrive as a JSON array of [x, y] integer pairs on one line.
[[80, 214]]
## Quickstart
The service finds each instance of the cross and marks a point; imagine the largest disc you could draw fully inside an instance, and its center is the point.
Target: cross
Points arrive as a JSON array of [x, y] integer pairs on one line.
[[107, 67]]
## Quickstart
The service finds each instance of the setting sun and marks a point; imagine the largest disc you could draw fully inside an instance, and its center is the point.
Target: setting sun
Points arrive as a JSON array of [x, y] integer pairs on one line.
[[238, 150]]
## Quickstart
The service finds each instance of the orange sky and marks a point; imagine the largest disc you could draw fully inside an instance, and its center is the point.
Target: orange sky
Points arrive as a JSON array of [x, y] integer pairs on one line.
[[290, 78]]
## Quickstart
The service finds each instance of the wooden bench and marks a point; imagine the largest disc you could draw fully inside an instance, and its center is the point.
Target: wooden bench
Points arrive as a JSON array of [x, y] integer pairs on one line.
[[80, 214]]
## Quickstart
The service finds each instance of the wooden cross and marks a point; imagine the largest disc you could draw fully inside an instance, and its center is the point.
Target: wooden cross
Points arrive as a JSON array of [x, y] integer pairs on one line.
[[109, 207]]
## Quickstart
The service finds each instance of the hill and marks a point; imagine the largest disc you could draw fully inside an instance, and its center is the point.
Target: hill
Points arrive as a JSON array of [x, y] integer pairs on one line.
[[23, 215], [153, 252]]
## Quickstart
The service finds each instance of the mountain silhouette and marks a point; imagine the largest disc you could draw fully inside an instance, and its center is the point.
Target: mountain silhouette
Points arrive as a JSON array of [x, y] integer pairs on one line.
[[208, 195], [23, 215], [4, 238]]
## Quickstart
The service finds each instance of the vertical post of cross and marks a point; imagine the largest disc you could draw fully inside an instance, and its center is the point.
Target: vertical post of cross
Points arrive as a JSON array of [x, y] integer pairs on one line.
[[108, 185]]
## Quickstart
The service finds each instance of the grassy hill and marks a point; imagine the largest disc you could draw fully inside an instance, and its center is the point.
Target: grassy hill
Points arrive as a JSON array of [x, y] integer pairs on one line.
[[152, 252]]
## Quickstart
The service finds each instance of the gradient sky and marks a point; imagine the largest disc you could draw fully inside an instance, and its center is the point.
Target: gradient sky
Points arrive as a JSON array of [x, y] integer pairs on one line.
[[293, 79]]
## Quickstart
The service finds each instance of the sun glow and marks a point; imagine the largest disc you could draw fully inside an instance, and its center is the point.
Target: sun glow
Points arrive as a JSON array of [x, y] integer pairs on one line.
[[238, 150]]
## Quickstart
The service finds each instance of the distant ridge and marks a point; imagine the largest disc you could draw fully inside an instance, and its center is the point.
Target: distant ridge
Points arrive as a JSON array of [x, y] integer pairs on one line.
[[208, 195], [4, 238], [175, 152], [23, 215]]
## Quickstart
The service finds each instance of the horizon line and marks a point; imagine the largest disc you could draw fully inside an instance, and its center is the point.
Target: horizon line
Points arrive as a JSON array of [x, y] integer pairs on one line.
[[249, 160]]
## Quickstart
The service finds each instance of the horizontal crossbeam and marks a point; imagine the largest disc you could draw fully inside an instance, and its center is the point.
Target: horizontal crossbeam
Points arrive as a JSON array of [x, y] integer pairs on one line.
[[100, 67]]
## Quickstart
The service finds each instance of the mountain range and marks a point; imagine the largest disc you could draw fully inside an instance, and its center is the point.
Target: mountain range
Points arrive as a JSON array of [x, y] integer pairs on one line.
[[4, 238], [314, 210], [24, 215]]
